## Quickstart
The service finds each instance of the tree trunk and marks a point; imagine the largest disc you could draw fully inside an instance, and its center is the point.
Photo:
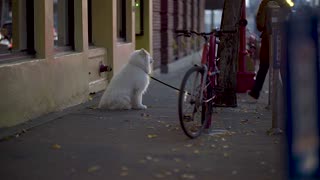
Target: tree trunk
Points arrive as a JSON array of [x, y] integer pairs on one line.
[[228, 51]]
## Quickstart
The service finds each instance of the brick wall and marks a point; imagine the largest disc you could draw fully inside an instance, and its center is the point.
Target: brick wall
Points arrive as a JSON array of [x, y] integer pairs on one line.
[[156, 22], [168, 16]]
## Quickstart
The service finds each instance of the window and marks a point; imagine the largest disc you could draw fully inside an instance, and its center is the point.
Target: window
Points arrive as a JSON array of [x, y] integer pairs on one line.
[[16, 28], [121, 20], [90, 23], [63, 31]]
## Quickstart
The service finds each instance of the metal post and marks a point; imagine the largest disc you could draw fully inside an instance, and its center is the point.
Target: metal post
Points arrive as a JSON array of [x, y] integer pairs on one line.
[[274, 24]]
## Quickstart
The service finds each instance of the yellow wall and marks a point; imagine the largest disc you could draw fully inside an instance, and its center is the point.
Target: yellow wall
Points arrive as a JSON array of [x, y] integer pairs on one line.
[[145, 41], [50, 82], [39, 86]]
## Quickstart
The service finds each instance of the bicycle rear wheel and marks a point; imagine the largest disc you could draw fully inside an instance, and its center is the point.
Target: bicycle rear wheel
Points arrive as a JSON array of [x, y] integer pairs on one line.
[[192, 109]]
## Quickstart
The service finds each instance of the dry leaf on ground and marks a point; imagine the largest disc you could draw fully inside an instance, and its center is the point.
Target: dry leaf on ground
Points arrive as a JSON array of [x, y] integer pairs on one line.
[[93, 169], [56, 146], [124, 173], [150, 136], [187, 176]]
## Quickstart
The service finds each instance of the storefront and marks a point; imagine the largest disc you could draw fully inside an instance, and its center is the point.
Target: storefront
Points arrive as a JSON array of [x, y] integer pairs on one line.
[[51, 51]]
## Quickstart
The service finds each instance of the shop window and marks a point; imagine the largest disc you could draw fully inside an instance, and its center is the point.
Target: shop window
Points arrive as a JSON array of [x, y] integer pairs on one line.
[[90, 23], [121, 20], [63, 31], [16, 29]]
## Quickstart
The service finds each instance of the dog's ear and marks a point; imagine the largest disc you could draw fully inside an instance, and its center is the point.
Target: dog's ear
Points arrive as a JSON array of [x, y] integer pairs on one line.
[[143, 53]]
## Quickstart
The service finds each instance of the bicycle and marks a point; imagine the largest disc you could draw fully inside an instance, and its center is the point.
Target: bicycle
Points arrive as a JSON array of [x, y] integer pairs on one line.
[[200, 97]]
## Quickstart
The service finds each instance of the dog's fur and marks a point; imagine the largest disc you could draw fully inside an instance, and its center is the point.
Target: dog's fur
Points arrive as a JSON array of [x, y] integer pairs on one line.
[[127, 87]]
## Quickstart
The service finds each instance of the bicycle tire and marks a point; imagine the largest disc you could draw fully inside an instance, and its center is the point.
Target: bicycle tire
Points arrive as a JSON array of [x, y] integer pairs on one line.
[[199, 105], [209, 105]]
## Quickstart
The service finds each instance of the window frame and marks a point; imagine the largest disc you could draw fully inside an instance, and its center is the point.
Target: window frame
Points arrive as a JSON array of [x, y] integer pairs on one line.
[[27, 52], [90, 35], [122, 35], [69, 31]]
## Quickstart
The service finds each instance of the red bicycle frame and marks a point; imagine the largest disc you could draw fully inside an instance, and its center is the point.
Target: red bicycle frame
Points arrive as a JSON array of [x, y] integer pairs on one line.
[[209, 60]]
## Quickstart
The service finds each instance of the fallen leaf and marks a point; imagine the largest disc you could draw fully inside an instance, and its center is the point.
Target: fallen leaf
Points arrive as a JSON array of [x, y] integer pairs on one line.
[[159, 175], [174, 149], [188, 165], [225, 155], [145, 115], [93, 169], [245, 121], [223, 139], [234, 172], [225, 147], [150, 127], [124, 168], [213, 146], [149, 158], [124, 173], [263, 163], [196, 151], [93, 107], [187, 176], [155, 160], [177, 160], [56, 146], [188, 145], [176, 170], [90, 98], [150, 136], [168, 173], [142, 161]]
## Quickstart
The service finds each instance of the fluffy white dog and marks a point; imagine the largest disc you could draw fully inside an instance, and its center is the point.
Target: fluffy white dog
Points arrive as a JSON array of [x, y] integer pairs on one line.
[[127, 87]]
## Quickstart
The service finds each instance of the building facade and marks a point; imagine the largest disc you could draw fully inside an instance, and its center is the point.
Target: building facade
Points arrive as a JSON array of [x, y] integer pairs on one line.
[[50, 52], [169, 16]]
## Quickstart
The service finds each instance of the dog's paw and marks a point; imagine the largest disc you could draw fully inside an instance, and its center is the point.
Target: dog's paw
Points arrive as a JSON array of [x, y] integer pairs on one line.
[[140, 107]]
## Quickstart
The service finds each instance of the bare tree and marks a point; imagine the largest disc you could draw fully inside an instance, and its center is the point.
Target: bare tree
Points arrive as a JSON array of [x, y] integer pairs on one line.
[[228, 52]]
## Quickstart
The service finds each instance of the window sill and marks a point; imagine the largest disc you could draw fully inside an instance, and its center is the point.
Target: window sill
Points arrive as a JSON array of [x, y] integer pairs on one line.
[[62, 51], [15, 57], [123, 43]]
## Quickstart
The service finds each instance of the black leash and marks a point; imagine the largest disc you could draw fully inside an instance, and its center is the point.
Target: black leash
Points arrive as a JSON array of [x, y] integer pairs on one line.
[[164, 83]]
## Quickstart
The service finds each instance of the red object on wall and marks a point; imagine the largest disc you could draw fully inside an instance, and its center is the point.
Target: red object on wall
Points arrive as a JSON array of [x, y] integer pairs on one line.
[[245, 80]]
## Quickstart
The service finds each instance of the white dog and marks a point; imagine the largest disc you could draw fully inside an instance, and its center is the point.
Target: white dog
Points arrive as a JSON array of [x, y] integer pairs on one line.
[[127, 87]]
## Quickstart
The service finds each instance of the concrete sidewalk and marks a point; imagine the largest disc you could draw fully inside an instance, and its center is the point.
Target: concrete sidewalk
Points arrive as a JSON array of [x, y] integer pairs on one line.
[[87, 143]]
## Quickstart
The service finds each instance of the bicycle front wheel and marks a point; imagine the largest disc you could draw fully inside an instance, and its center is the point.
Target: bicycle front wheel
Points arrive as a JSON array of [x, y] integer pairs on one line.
[[192, 109]]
